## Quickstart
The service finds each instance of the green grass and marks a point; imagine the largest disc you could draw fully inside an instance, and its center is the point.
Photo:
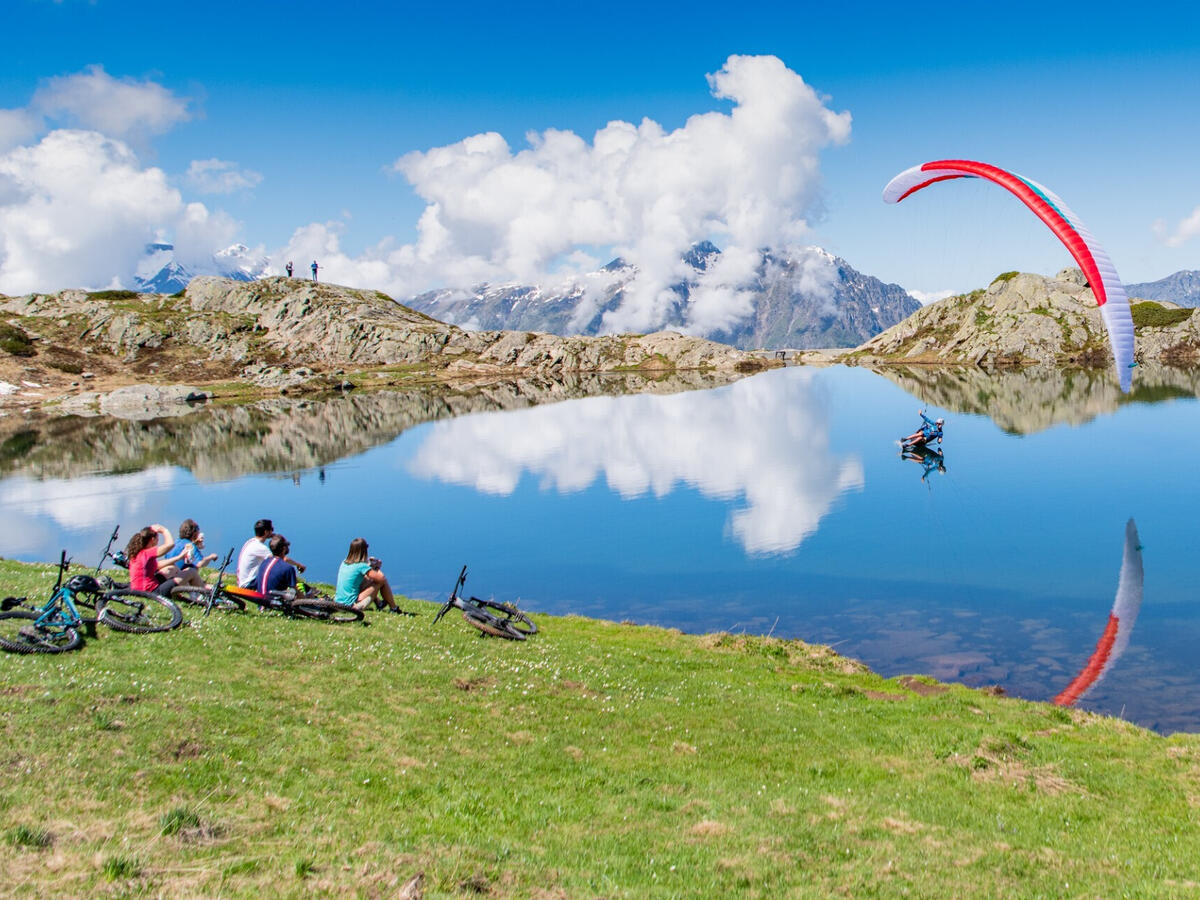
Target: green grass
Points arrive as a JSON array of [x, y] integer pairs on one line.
[[1006, 276], [595, 759], [14, 340], [114, 295], [25, 836], [1156, 315]]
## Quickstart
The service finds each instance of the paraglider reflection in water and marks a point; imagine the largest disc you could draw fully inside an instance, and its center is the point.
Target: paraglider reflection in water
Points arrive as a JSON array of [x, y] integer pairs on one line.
[[1097, 268], [930, 431], [1115, 637], [929, 459]]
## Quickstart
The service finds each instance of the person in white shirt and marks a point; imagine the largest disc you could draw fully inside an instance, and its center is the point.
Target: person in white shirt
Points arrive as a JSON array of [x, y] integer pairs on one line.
[[255, 552]]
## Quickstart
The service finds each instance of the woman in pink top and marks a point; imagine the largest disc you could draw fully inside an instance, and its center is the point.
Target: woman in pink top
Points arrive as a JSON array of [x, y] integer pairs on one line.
[[143, 550]]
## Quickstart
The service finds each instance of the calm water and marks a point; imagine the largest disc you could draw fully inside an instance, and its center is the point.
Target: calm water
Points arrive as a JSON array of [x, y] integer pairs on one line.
[[776, 504]]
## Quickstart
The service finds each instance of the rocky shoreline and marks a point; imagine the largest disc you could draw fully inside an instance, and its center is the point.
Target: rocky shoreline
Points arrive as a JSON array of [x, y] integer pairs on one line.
[[280, 335]]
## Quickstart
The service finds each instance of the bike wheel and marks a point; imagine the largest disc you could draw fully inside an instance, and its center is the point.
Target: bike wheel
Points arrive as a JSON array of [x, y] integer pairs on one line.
[[19, 634], [493, 625], [196, 596], [326, 610], [138, 612], [517, 619]]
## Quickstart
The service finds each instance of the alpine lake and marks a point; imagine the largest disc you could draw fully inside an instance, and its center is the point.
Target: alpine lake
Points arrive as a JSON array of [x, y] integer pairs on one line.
[[776, 504]]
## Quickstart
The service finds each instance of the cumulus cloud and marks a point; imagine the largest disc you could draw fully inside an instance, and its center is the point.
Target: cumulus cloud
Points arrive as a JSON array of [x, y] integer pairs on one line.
[[783, 482], [16, 127], [122, 108], [77, 210], [927, 297], [748, 179], [220, 176], [1183, 232]]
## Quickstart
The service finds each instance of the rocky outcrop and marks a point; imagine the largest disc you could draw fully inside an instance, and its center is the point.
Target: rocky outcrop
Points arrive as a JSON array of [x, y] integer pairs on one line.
[[292, 322], [1033, 398], [1023, 319], [285, 434]]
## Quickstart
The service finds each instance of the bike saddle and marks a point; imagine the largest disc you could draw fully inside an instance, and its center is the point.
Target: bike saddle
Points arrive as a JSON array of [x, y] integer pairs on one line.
[[10, 602]]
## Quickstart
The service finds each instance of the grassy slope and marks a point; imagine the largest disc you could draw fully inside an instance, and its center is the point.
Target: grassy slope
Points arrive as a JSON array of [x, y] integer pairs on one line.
[[593, 760]]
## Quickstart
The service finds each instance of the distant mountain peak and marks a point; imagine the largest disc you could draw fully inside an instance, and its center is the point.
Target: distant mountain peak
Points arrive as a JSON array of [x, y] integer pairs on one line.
[[159, 272], [803, 297]]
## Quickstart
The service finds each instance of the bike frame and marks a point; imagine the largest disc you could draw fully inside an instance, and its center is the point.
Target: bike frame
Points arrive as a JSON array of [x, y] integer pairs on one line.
[[60, 610]]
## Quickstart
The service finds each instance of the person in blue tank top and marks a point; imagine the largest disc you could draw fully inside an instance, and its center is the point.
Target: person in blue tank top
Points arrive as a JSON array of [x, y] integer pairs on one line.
[[361, 581]]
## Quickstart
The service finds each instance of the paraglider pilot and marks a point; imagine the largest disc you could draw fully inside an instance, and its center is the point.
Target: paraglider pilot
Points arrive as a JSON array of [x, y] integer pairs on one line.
[[928, 432]]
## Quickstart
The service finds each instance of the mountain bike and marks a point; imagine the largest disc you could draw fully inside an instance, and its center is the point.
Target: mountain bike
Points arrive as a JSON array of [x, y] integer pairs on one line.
[[216, 596], [54, 626], [489, 616], [295, 604]]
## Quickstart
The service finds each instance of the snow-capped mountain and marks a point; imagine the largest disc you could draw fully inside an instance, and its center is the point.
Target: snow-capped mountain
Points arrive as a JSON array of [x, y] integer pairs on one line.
[[1183, 288], [160, 272], [802, 297]]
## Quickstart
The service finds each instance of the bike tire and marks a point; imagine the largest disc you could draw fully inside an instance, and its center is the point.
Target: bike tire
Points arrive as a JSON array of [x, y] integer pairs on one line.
[[493, 625], [517, 619], [196, 596], [55, 640], [325, 610], [138, 612]]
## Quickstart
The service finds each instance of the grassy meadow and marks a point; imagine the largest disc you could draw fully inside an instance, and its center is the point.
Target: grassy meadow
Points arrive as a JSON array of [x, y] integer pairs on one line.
[[247, 755]]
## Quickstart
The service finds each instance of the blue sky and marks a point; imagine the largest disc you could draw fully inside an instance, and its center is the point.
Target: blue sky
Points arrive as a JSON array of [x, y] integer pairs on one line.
[[1097, 102]]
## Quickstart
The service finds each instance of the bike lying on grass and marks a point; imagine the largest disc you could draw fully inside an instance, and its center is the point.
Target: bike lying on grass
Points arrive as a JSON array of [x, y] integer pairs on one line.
[[298, 605], [54, 626], [213, 597], [489, 616]]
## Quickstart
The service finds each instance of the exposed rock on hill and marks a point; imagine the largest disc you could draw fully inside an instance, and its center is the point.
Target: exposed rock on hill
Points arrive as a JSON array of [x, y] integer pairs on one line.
[[1022, 319], [218, 328]]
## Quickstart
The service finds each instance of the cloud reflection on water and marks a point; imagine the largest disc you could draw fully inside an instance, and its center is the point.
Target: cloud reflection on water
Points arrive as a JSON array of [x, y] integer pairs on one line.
[[763, 439], [76, 505]]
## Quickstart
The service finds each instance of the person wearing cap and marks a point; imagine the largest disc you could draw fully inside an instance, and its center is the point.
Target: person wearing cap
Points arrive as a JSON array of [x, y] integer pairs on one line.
[[931, 430]]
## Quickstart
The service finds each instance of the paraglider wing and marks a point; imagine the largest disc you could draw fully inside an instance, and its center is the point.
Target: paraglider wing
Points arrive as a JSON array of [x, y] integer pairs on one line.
[[1097, 267], [1124, 613]]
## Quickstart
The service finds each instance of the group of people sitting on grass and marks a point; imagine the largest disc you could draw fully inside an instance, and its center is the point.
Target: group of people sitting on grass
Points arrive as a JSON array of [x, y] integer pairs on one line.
[[263, 565]]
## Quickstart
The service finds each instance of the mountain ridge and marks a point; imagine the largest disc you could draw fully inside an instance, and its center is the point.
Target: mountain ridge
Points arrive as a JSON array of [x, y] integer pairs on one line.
[[800, 298]]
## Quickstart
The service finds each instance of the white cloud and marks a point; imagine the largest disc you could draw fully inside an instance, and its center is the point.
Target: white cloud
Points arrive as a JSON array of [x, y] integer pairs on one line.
[[77, 210], [1186, 230], [927, 297], [121, 108], [219, 176], [16, 127], [748, 179], [786, 479]]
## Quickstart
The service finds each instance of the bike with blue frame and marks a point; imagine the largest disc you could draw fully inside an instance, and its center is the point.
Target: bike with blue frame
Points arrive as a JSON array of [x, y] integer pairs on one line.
[[54, 627]]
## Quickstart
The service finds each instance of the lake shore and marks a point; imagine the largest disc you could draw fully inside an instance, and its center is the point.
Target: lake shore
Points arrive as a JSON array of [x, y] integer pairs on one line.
[[252, 339], [249, 754]]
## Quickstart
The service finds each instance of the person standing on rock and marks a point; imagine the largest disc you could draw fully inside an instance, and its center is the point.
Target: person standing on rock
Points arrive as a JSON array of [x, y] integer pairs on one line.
[[314, 271], [288, 268]]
